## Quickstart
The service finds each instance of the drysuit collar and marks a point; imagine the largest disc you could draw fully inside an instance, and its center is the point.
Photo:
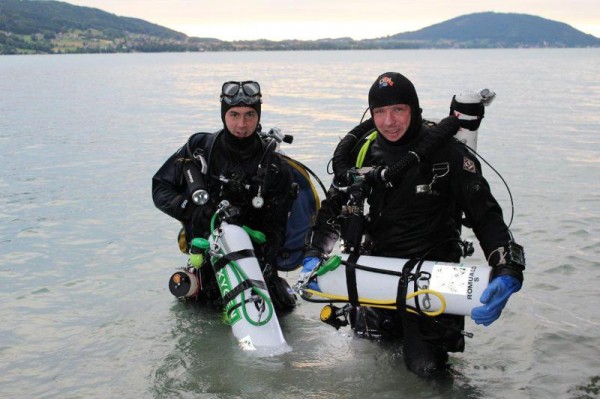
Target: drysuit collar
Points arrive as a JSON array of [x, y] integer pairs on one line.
[[243, 147]]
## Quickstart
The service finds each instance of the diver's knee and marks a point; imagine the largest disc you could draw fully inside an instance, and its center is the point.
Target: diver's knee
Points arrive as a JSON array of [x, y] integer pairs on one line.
[[427, 366], [426, 369]]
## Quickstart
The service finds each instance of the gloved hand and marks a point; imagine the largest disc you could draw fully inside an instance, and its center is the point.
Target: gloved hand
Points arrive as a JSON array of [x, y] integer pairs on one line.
[[201, 218], [494, 298], [376, 176], [182, 208], [347, 178], [309, 264]]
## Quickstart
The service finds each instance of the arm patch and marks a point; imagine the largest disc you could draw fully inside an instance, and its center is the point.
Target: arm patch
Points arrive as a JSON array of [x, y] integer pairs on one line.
[[469, 165]]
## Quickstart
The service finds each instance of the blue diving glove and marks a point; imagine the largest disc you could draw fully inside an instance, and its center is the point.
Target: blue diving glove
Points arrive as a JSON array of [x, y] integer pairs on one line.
[[494, 299], [309, 264]]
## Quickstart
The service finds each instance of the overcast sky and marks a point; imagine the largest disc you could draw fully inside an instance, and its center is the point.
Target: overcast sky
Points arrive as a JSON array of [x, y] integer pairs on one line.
[[318, 19]]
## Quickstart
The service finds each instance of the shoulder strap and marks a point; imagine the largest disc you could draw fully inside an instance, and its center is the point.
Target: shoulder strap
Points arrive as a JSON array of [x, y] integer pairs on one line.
[[201, 156], [360, 159]]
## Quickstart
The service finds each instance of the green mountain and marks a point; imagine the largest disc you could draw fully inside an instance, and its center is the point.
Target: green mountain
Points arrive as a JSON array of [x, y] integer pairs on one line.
[[30, 17], [489, 29], [45, 26], [37, 26]]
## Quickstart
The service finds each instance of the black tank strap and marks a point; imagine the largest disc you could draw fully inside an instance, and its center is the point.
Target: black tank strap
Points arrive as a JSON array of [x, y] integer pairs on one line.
[[241, 287], [233, 256], [351, 279], [403, 285]]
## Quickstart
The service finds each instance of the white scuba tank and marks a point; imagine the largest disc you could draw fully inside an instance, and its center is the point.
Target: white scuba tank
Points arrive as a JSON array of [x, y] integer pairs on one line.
[[460, 285], [252, 317], [485, 97]]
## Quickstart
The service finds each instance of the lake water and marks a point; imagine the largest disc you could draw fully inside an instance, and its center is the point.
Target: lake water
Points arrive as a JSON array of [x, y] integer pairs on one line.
[[85, 257]]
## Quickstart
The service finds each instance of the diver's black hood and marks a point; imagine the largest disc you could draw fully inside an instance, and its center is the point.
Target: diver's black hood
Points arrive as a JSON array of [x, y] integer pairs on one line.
[[393, 88]]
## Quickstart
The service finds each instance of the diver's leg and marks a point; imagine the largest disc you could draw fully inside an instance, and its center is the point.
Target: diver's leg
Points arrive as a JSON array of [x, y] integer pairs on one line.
[[424, 351]]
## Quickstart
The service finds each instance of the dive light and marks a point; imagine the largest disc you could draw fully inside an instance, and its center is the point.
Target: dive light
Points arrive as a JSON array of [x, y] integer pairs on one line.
[[184, 284], [334, 316]]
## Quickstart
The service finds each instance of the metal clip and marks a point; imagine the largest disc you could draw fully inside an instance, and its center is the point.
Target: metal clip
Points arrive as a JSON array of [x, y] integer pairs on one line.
[[424, 280], [443, 168]]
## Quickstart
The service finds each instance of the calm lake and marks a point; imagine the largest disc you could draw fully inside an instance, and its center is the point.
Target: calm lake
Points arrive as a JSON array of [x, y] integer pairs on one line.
[[85, 257]]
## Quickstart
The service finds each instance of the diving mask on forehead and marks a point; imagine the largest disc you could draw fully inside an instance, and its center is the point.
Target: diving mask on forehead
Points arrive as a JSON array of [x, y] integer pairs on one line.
[[247, 92]]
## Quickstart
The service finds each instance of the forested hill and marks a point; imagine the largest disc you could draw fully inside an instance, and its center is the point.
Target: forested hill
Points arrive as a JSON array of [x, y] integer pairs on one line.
[[29, 26], [30, 17], [40, 27], [490, 29]]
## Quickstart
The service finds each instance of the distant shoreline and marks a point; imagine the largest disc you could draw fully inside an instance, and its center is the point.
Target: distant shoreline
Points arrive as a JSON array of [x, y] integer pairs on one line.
[[299, 50], [52, 27]]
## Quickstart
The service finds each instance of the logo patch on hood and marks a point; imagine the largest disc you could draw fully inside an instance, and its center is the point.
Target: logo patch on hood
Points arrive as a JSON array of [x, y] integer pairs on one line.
[[386, 81]]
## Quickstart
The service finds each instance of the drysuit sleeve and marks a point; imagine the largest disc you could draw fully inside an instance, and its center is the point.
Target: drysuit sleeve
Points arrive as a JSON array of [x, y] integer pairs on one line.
[[168, 188], [484, 215], [325, 233], [342, 160]]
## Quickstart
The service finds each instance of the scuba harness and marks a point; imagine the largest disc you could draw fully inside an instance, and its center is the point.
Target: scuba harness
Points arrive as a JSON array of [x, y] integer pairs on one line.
[[306, 199], [197, 170], [199, 167], [352, 220], [357, 187], [414, 283]]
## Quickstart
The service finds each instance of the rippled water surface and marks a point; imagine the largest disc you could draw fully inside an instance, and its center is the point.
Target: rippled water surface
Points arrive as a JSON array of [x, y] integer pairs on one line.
[[85, 257]]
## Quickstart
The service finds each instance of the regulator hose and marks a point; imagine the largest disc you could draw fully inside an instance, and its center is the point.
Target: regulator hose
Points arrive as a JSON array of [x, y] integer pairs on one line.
[[376, 303], [430, 142], [435, 137], [342, 160]]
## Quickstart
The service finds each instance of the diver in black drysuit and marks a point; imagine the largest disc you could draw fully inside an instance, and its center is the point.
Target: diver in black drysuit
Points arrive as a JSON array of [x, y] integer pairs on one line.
[[414, 214], [235, 160]]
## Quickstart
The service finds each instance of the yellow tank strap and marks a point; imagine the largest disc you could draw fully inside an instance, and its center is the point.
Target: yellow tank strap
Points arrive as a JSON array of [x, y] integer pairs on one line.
[[182, 241], [365, 147]]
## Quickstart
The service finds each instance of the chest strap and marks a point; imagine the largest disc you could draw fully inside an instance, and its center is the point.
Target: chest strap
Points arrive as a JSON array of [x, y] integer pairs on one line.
[[362, 153]]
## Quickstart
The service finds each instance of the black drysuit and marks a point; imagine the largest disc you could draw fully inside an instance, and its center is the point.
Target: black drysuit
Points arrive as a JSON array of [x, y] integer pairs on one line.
[[237, 161], [423, 210]]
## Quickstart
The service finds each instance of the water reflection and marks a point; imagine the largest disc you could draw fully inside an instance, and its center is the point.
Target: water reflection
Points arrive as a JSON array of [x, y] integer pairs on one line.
[[206, 359]]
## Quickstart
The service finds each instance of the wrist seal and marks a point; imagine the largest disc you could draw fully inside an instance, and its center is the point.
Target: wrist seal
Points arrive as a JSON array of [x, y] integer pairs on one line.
[[509, 260], [515, 255]]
